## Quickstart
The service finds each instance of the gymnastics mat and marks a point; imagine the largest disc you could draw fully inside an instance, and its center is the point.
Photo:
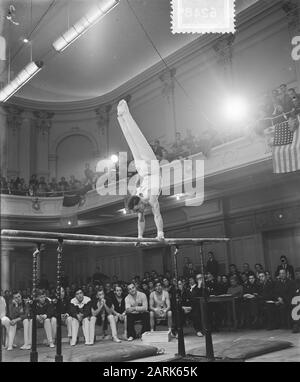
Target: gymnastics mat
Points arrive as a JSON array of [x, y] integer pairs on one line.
[[243, 348], [109, 352]]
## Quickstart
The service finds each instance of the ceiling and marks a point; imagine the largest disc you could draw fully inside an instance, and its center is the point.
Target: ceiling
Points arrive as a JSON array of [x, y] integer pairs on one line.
[[112, 52]]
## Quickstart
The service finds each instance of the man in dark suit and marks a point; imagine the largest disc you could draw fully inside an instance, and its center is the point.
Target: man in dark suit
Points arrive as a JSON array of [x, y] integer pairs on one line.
[[212, 266]]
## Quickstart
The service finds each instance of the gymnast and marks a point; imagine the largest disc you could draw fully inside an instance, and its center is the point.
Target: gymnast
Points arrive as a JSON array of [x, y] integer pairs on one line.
[[148, 169]]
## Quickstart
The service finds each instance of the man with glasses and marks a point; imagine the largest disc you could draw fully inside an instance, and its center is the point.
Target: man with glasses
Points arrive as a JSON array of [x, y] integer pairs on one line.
[[136, 306]]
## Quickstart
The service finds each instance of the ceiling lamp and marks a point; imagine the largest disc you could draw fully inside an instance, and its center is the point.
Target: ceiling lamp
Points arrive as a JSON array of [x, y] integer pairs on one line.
[[84, 24], [24, 76]]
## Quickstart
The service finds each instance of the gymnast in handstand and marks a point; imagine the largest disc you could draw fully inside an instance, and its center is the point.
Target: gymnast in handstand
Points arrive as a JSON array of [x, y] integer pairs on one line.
[[147, 167]]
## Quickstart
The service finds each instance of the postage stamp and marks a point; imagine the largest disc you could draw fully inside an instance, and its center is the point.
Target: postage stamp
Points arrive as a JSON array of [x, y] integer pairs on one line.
[[203, 16]]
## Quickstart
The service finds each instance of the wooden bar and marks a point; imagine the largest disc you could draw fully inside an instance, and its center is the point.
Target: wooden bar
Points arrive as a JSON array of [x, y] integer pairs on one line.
[[95, 243], [111, 239]]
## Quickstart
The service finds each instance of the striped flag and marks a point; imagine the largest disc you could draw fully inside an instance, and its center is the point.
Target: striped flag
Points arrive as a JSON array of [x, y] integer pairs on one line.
[[286, 149]]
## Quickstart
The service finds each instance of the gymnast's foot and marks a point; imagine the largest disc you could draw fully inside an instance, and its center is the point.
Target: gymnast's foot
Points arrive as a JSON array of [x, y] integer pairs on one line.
[[160, 236], [122, 108]]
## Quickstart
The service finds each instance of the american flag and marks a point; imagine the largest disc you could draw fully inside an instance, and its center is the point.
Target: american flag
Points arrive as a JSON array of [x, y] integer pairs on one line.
[[286, 149]]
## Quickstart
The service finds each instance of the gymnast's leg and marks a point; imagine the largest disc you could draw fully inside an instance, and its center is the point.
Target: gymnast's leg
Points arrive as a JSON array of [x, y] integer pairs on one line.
[[140, 148]]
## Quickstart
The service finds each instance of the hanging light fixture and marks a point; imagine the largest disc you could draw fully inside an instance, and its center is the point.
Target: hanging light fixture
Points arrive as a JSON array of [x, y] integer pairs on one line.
[[84, 24], [20, 80]]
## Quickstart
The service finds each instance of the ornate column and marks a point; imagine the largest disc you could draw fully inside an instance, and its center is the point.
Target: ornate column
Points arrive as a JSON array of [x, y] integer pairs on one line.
[[292, 11], [223, 48], [14, 122], [103, 118], [5, 267], [43, 123], [168, 93]]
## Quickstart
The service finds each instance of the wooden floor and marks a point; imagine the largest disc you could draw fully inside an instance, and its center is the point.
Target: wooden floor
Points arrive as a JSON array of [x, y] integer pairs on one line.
[[191, 341]]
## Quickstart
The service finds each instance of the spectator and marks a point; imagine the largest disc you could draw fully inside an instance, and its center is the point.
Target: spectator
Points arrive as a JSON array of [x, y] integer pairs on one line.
[[258, 268], [45, 316], [282, 293], [53, 187], [136, 309], [250, 302], [13, 318], [197, 291], [63, 185], [189, 271], [285, 99], [223, 285], [102, 309], [109, 293], [294, 95], [119, 309], [285, 265], [81, 313], [66, 319], [160, 306], [33, 182], [235, 289], [233, 271], [89, 175], [212, 266], [247, 270], [267, 302]]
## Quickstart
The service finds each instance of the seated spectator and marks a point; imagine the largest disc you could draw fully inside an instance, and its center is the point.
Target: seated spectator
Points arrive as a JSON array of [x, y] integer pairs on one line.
[[282, 293], [13, 319], [223, 285], [247, 270], [118, 308], [136, 309], [295, 291], [212, 266], [235, 289], [160, 306], [33, 182], [189, 271], [108, 290], [243, 279], [45, 316], [258, 268], [90, 292], [294, 95], [197, 291], [233, 271], [102, 310], [66, 319], [81, 313], [285, 99], [145, 289], [63, 185], [53, 187], [166, 284], [250, 303], [268, 276], [285, 265], [267, 308]]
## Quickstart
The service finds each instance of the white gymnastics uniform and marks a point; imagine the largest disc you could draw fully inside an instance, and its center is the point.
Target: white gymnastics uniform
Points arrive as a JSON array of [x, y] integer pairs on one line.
[[145, 160]]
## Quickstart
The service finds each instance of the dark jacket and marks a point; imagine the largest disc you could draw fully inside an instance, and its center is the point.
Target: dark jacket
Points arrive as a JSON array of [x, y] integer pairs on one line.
[[284, 289], [289, 269], [46, 308], [212, 266], [119, 307], [266, 291], [84, 307], [16, 310]]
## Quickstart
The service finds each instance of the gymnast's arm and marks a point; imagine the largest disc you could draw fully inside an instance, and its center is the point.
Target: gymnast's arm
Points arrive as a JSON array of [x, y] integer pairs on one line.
[[157, 216], [141, 224]]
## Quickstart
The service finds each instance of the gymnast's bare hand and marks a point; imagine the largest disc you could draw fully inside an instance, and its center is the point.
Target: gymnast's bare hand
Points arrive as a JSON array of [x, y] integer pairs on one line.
[[122, 108]]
